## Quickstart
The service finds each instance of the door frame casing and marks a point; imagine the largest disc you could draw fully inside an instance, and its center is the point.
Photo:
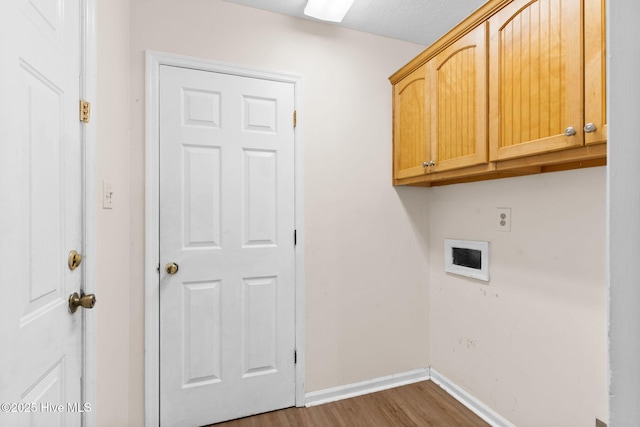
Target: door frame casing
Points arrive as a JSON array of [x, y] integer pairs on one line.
[[88, 91], [154, 60]]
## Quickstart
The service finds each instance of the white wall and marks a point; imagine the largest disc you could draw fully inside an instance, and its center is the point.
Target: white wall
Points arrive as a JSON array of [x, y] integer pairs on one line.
[[111, 116], [624, 216], [365, 263], [531, 343]]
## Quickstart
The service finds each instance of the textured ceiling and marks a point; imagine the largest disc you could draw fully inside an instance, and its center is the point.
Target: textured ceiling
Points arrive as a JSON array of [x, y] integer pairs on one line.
[[418, 21]]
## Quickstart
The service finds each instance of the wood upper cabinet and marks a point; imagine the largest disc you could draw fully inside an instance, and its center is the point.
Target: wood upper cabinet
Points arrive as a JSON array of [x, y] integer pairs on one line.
[[536, 92], [595, 113], [459, 103], [440, 111], [516, 88], [410, 125]]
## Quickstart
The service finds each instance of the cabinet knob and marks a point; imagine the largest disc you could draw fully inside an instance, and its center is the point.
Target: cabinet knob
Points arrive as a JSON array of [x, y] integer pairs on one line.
[[570, 131], [425, 164], [590, 127]]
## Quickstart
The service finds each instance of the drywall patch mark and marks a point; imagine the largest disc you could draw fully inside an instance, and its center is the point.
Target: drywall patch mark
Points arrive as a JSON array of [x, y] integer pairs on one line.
[[467, 342], [484, 292]]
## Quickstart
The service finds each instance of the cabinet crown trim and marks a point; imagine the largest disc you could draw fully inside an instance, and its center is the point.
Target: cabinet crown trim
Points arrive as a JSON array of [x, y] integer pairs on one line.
[[477, 18]]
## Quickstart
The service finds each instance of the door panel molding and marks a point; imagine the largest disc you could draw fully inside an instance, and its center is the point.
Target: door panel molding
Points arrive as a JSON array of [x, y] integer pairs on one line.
[[154, 60], [56, 64]]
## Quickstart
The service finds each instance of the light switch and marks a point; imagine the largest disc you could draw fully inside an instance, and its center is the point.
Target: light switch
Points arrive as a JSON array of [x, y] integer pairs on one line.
[[107, 195]]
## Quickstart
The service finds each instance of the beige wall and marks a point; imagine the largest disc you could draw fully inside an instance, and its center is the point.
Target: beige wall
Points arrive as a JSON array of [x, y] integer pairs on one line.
[[365, 263], [111, 116], [531, 343]]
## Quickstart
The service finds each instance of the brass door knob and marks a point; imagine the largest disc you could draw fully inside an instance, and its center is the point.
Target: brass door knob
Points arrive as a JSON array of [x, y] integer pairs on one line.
[[84, 301], [172, 268]]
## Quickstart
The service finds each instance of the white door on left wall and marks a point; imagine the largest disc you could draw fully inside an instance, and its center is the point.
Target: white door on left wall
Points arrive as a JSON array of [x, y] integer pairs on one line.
[[41, 213]]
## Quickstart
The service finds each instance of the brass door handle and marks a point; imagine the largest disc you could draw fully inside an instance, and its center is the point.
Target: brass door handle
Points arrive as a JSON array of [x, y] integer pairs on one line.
[[171, 268], [84, 301]]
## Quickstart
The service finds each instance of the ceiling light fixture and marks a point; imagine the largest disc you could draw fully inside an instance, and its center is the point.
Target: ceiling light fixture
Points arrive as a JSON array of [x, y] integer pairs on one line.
[[328, 10]]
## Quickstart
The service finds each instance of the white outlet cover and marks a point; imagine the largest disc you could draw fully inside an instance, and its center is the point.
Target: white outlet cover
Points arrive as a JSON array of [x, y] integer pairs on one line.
[[503, 219]]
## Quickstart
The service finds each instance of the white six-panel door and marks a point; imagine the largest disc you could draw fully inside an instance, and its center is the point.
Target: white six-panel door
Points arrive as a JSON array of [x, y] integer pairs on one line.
[[41, 213], [227, 324]]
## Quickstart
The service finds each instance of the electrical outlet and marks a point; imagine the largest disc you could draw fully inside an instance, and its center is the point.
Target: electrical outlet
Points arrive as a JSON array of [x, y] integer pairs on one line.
[[107, 195], [503, 219]]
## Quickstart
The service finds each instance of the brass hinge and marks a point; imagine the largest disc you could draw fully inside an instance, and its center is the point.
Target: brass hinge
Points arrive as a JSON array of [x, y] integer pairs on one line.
[[295, 118], [85, 111]]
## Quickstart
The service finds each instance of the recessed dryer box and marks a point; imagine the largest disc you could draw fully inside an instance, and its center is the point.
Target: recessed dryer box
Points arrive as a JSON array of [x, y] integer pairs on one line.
[[467, 258]]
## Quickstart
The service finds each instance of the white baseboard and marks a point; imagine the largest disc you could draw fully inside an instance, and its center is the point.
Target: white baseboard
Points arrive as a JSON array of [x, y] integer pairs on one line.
[[365, 387], [462, 396], [377, 384]]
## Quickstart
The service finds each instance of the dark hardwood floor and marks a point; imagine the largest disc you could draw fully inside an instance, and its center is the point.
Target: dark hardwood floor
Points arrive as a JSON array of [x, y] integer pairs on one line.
[[416, 405]]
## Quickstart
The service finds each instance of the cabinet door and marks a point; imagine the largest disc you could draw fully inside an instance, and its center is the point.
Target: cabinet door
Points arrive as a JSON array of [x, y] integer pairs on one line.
[[459, 84], [410, 127], [595, 73], [536, 78]]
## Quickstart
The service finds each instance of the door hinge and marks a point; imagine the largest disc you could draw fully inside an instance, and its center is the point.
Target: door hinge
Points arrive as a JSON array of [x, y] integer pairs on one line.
[[295, 237], [295, 357], [295, 118], [85, 111], [158, 269]]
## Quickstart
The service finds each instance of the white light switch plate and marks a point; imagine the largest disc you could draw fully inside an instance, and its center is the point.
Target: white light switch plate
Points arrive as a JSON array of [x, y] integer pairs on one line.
[[107, 195]]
